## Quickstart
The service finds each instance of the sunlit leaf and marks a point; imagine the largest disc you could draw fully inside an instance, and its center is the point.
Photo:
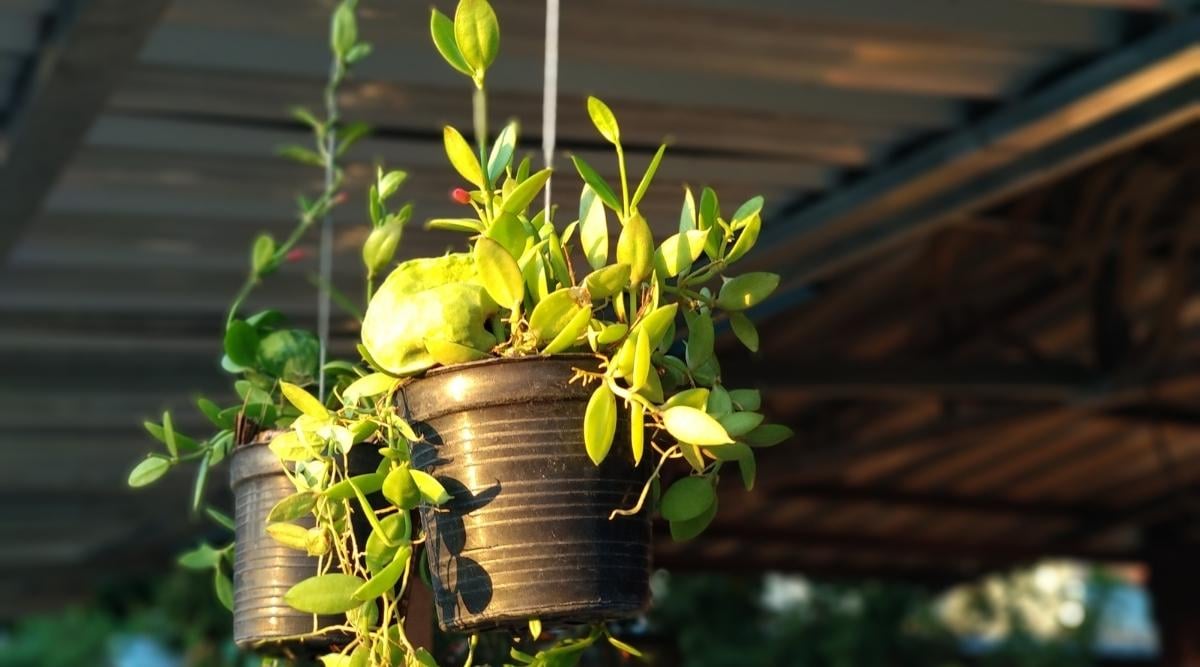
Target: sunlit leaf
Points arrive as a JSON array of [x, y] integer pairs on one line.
[[289, 535], [386, 579], [612, 333], [746, 239], [604, 120], [687, 215], [468, 225], [648, 176], [477, 33], [293, 507], [597, 183], [448, 353], [401, 490], [442, 30], [502, 152], [622, 646], [576, 327], [641, 361], [431, 489], [499, 272], [635, 247], [656, 322], [600, 423], [383, 545], [367, 386], [607, 281], [465, 161], [551, 315], [366, 483], [148, 471], [678, 252], [522, 195], [687, 424], [593, 227], [304, 401], [325, 594]]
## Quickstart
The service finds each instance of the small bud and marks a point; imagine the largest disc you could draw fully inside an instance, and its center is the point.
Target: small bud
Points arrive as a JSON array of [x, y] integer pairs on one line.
[[380, 246], [296, 255], [461, 196], [339, 198]]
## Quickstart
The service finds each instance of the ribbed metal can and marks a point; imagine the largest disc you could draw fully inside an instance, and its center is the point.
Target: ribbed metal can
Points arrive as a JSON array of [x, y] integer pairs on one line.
[[263, 569], [527, 533]]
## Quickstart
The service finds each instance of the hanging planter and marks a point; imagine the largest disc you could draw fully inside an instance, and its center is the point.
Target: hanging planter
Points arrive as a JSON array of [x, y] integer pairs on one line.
[[267, 566], [527, 532]]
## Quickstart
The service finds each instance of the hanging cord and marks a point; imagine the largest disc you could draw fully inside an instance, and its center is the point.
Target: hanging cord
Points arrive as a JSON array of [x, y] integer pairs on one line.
[[325, 262], [550, 93]]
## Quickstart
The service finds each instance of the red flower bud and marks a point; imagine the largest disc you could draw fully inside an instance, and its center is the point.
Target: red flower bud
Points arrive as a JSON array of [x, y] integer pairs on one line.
[[339, 198], [460, 195], [296, 255]]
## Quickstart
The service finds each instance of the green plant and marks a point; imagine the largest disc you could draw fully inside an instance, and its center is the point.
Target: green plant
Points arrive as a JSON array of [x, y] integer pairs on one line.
[[515, 293]]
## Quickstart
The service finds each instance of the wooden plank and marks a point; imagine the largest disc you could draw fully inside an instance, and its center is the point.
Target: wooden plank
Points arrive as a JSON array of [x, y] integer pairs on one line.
[[1143, 90], [76, 71]]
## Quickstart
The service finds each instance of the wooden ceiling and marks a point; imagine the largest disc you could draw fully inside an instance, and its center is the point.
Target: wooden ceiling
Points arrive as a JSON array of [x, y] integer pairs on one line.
[[940, 180]]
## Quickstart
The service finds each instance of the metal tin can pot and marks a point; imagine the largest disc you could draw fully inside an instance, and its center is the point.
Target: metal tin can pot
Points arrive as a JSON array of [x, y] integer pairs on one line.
[[527, 533]]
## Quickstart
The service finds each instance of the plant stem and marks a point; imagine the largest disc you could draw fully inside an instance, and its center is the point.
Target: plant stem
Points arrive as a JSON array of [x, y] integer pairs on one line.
[[624, 183]]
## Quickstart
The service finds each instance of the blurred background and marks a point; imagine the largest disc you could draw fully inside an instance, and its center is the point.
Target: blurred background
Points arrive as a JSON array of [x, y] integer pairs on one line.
[[986, 214]]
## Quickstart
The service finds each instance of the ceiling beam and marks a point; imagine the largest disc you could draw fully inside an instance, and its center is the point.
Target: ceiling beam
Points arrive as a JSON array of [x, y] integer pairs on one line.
[[1141, 91], [76, 70]]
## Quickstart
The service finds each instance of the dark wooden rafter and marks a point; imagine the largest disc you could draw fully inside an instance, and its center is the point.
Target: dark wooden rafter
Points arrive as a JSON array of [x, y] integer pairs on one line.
[[1141, 91], [76, 69]]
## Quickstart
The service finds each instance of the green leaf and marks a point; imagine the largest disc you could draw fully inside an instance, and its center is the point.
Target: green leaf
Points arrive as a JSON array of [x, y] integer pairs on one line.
[[637, 430], [465, 162], [656, 322], [448, 353], [612, 333], [604, 120], [293, 507], [635, 247], [768, 435], [301, 155], [746, 399], [710, 211], [304, 401], [648, 176], [431, 489], [169, 435], [597, 183], [552, 314], [202, 557], [287, 446], [241, 343], [148, 471], [679, 252], [386, 579], [575, 328], [343, 32], [749, 470], [502, 152], [687, 498], [368, 386], [500, 274], [521, 196], [289, 535], [325, 594], [468, 225], [213, 412], [641, 361], [220, 518], [745, 240], [344, 490], [387, 184], [744, 329], [681, 531], [746, 290], [607, 281], [719, 403], [600, 423], [358, 52], [593, 227], [400, 489], [442, 30], [262, 254], [687, 215], [383, 545], [687, 424], [535, 628], [380, 247], [701, 338], [224, 589], [477, 33]]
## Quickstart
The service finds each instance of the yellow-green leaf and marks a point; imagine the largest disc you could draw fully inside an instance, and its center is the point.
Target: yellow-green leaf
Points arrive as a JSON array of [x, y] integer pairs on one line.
[[678, 252], [344, 490], [325, 594], [465, 161], [622, 646], [687, 424], [288, 446], [635, 247], [148, 471], [386, 579], [552, 314], [600, 423], [637, 430], [442, 30], [641, 361], [431, 489], [304, 401], [696, 397], [383, 544], [593, 227], [477, 33], [293, 507], [604, 120], [607, 281], [575, 328], [400, 489], [500, 274], [612, 333], [502, 152], [597, 183], [687, 498], [289, 535], [656, 322], [521, 196], [367, 386], [687, 215], [648, 176], [746, 239]]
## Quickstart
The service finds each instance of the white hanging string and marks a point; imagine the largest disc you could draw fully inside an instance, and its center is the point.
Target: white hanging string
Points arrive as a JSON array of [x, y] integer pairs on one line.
[[550, 92]]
